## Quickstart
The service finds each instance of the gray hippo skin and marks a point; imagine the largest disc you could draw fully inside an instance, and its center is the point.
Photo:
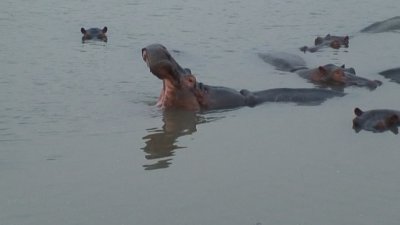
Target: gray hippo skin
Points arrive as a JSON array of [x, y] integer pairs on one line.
[[182, 91], [329, 75], [377, 120], [392, 74], [383, 26], [334, 42], [95, 34]]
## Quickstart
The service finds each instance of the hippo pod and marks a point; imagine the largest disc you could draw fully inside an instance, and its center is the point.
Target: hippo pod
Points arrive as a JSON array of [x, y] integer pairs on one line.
[[378, 120], [94, 34], [334, 42], [181, 89], [328, 75]]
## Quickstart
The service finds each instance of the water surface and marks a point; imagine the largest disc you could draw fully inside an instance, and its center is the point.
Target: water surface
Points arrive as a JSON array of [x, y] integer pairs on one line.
[[82, 143]]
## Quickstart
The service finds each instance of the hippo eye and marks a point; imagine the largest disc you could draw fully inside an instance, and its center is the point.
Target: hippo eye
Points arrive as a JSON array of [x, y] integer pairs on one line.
[[339, 74]]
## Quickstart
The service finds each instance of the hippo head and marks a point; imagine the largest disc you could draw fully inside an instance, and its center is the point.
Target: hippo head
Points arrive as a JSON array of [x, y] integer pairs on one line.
[[332, 74], [333, 41], [94, 34], [341, 41], [179, 85], [319, 40], [376, 120]]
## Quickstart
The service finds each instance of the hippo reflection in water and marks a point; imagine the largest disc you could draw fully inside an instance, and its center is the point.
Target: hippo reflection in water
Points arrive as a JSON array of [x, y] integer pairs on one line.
[[335, 42], [161, 144], [94, 34], [329, 75], [181, 89], [378, 120]]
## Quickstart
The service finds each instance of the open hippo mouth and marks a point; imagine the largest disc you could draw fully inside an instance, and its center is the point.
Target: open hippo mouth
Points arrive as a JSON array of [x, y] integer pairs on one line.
[[162, 65], [179, 85]]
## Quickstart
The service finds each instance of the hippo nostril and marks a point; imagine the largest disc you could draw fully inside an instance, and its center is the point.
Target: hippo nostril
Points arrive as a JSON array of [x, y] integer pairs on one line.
[[374, 84], [378, 82]]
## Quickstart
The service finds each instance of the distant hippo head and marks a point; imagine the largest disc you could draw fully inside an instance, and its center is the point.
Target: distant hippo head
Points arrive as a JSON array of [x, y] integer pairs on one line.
[[178, 84], [94, 34], [333, 41], [378, 120], [332, 74]]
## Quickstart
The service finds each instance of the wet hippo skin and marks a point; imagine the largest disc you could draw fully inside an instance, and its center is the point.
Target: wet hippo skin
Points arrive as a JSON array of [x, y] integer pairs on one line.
[[95, 34], [377, 120], [182, 90], [332, 41], [328, 75]]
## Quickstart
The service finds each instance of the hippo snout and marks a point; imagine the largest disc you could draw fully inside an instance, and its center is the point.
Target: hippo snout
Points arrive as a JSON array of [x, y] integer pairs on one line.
[[362, 82], [373, 84], [370, 84]]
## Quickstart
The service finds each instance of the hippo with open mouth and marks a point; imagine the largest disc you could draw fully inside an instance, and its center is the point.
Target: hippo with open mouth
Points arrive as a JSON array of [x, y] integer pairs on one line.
[[182, 90]]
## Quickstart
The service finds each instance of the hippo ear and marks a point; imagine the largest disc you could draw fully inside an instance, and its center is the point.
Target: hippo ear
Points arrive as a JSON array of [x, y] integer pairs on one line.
[[83, 30], [328, 36], [358, 111], [343, 66], [104, 30], [318, 41]]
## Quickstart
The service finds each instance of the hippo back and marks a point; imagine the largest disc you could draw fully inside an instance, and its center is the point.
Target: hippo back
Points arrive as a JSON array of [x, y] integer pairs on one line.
[[284, 61], [383, 26], [392, 74]]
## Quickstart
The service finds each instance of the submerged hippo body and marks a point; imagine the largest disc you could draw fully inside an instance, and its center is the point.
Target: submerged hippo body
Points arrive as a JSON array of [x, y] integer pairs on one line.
[[378, 120], [328, 75], [383, 26], [96, 34], [335, 42], [392, 74], [181, 89]]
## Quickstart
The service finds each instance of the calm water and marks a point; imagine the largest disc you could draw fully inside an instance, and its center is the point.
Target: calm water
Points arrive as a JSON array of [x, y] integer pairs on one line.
[[82, 143]]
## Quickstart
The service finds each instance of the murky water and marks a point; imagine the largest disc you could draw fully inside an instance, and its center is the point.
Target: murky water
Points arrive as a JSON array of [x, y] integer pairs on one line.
[[82, 143]]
